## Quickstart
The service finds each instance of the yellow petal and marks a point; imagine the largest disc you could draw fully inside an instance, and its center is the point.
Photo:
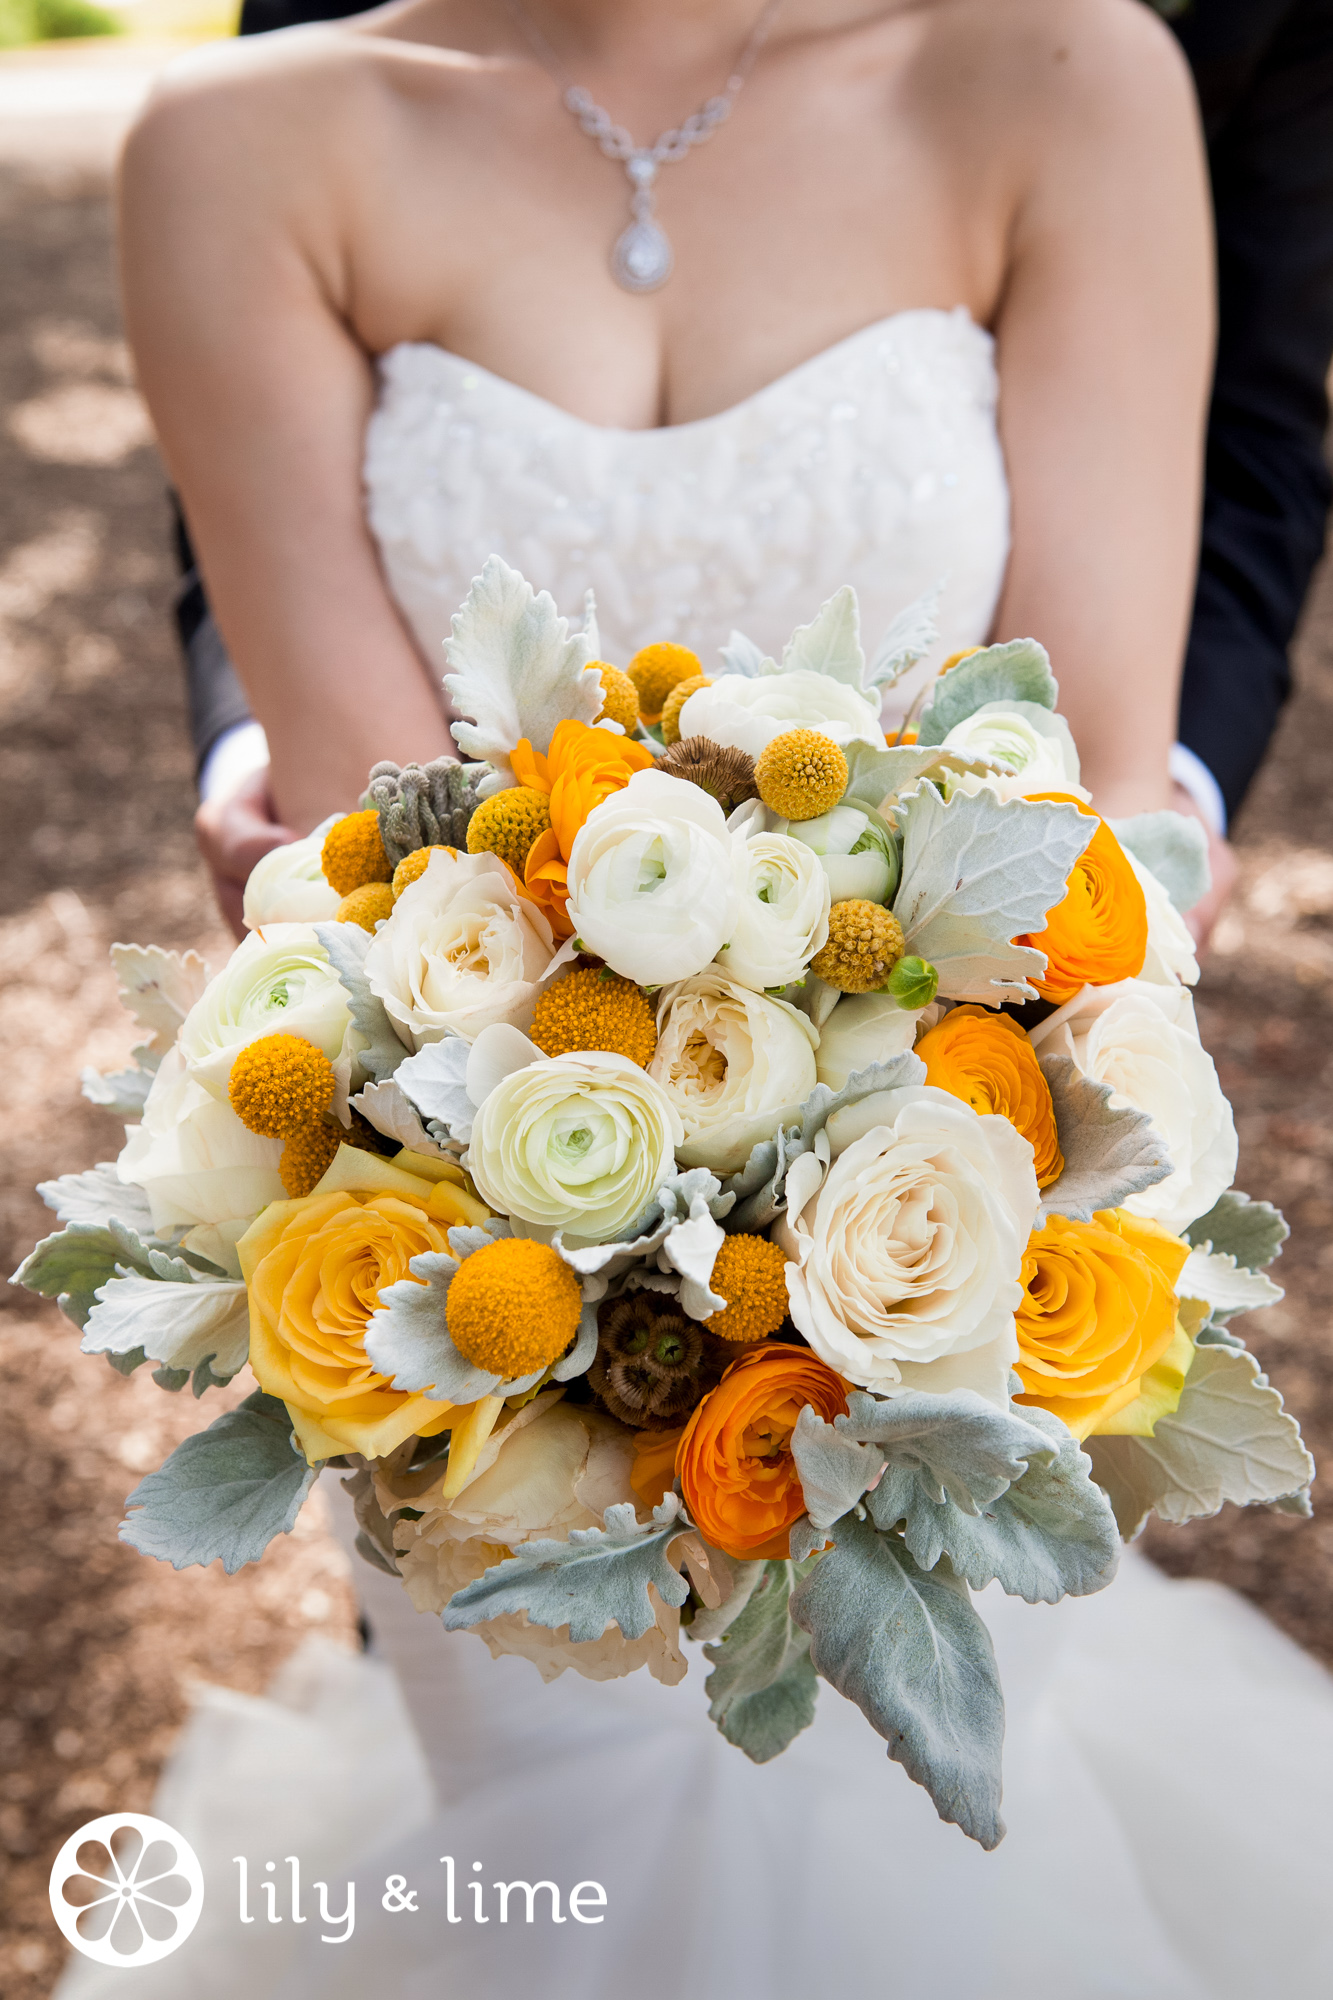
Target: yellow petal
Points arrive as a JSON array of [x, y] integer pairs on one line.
[[472, 1427], [1159, 1392]]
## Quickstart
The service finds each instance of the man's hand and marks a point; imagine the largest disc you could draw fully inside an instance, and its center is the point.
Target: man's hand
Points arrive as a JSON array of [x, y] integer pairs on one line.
[[234, 832]]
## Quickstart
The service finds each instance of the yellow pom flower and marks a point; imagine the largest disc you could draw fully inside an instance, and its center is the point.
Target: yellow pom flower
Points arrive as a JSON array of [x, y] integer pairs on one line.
[[513, 1307], [655, 670], [865, 942], [366, 905], [596, 1010], [280, 1085], [414, 865], [620, 697], [353, 853], [750, 1274], [307, 1157], [801, 774], [674, 703], [508, 824]]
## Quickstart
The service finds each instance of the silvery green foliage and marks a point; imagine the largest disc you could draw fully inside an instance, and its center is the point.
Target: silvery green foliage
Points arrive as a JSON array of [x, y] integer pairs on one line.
[[381, 1051], [158, 988], [741, 656], [435, 1079], [874, 775], [678, 1232], [98, 1196], [831, 643], [122, 1091], [225, 1493], [1224, 1285], [976, 873], [1019, 670], [517, 670], [1109, 1153], [908, 639], [710, 1623], [186, 1325], [1252, 1232], [388, 1108], [70, 1266], [761, 1692], [758, 1187], [1174, 848], [1229, 1439], [907, 1647], [598, 1578]]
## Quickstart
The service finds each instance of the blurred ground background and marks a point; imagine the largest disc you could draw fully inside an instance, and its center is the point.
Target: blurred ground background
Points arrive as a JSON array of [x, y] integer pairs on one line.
[[98, 1645]]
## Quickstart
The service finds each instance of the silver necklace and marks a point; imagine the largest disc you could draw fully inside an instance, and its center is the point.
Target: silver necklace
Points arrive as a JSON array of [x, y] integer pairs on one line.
[[642, 258]]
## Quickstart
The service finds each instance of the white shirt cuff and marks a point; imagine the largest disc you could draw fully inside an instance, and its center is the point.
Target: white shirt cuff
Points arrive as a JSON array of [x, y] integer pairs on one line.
[[236, 755], [1193, 776]]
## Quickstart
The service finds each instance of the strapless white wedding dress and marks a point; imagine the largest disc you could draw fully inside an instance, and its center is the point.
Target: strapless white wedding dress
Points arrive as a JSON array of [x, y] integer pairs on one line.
[[1169, 1752]]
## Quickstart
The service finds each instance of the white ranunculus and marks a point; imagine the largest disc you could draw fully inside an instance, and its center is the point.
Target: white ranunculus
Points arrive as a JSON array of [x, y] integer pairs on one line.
[[1170, 958], [579, 1143], [855, 849], [198, 1165], [864, 1028], [734, 1064], [462, 950], [906, 1228], [748, 713], [782, 911], [652, 887], [1142, 1039], [276, 982], [1033, 746], [288, 885]]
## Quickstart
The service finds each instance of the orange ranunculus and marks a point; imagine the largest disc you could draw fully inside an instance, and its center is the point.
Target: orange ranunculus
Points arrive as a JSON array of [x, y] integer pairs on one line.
[[736, 1470], [582, 767], [1099, 1311], [986, 1059], [1099, 933]]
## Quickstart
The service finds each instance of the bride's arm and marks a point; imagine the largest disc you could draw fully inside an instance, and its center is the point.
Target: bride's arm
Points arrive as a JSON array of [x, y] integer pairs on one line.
[[234, 287], [1105, 343]]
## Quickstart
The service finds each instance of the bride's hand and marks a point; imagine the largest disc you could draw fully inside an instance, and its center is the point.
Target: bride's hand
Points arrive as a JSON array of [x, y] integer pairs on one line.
[[234, 832]]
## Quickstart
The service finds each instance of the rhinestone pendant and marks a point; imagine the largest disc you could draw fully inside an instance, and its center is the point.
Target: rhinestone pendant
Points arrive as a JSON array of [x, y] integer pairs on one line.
[[642, 259]]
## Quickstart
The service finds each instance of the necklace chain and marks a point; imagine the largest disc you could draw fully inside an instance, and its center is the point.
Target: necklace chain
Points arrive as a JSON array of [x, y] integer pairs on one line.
[[642, 258]]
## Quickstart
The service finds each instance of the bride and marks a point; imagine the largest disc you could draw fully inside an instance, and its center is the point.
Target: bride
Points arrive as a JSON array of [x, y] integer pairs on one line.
[[931, 303]]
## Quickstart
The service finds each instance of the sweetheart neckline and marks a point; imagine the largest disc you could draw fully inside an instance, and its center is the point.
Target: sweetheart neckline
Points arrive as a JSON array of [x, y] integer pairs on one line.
[[956, 315]]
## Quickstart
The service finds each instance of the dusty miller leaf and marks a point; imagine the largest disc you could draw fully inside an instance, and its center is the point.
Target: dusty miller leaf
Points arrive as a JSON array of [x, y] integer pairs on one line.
[[381, 1051], [599, 1577], [1109, 1153], [517, 670], [757, 1188], [435, 1080], [1252, 1232], [741, 656], [831, 643], [907, 1647], [123, 1091], [181, 1325], [977, 873], [389, 1109], [1224, 1285], [1019, 670], [98, 1196], [1173, 847], [225, 1493], [957, 1446], [158, 988], [762, 1690], [908, 639]]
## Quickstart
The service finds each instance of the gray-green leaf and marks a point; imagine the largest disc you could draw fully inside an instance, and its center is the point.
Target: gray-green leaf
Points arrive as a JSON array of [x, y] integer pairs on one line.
[[381, 1051], [98, 1196], [907, 1647], [1252, 1232], [225, 1493], [1018, 670], [1109, 1153], [1173, 847], [599, 1577], [762, 1689], [758, 1188], [831, 643]]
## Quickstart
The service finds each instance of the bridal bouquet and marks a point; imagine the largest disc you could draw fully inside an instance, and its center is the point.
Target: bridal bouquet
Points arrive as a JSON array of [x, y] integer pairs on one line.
[[701, 1168]]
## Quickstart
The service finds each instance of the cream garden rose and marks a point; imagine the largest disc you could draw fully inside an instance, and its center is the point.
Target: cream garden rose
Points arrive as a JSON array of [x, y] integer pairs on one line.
[[734, 1064], [278, 981], [579, 1143], [1033, 747], [906, 1229], [288, 885], [783, 899], [462, 950], [652, 884], [748, 713], [1143, 1040]]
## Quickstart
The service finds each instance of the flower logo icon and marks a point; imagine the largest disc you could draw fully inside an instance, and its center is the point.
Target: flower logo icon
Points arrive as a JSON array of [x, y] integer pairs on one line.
[[126, 1889]]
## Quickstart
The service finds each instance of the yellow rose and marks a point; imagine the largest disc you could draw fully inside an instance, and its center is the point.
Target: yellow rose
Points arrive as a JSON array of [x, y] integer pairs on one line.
[[1097, 1328], [315, 1268]]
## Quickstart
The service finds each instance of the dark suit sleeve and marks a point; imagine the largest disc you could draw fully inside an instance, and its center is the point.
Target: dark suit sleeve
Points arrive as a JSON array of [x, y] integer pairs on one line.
[[1265, 76]]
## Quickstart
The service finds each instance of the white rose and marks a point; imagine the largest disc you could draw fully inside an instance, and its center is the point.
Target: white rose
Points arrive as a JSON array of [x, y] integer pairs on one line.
[[1034, 746], [906, 1229], [748, 713], [864, 1028], [288, 885], [734, 1064], [196, 1162], [276, 982], [463, 949], [1143, 1040], [579, 1143], [652, 888], [782, 914], [856, 852], [1170, 958]]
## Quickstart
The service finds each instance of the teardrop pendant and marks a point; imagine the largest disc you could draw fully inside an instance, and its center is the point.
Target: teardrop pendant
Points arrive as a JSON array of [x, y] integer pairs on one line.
[[642, 259]]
